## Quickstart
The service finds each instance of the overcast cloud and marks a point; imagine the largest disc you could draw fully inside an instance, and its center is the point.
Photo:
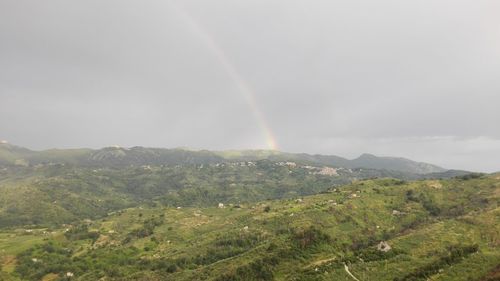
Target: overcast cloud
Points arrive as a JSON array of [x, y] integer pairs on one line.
[[417, 79]]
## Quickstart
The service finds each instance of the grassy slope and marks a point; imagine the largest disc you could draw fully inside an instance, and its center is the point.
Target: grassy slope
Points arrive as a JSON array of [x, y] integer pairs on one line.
[[55, 194], [213, 243]]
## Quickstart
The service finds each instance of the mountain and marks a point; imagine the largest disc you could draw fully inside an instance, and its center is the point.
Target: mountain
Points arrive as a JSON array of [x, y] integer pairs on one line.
[[138, 156], [397, 164], [9, 154], [367, 161], [106, 157]]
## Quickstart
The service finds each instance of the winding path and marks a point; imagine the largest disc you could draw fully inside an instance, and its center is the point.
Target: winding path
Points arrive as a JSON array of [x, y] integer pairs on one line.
[[348, 272]]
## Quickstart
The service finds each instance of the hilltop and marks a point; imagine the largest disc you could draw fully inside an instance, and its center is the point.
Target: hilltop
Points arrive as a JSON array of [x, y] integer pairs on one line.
[[138, 156]]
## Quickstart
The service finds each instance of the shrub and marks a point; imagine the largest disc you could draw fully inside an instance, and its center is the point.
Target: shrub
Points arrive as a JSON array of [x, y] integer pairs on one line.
[[305, 238], [455, 254]]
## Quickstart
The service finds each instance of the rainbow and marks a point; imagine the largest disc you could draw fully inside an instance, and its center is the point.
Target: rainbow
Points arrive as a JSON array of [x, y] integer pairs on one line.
[[243, 88]]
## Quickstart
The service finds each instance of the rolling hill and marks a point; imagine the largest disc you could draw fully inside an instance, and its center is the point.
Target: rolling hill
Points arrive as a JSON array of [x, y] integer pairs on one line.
[[175, 214], [138, 156], [61, 193], [382, 229]]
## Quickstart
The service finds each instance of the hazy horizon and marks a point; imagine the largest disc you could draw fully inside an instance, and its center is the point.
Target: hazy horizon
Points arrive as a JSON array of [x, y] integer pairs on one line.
[[243, 149], [417, 80]]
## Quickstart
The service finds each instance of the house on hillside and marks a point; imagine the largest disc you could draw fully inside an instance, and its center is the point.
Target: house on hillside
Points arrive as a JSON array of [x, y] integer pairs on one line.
[[397, 213], [383, 246]]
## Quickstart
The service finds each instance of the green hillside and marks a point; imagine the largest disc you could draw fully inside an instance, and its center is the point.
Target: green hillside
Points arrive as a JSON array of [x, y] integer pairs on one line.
[[432, 229], [57, 193]]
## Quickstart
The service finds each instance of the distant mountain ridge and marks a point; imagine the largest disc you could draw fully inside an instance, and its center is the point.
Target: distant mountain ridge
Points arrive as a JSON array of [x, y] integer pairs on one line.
[[367, 161], [137, 156]]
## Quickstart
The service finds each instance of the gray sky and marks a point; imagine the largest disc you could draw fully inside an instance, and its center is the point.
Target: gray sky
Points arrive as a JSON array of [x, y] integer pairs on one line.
[[418, 79]]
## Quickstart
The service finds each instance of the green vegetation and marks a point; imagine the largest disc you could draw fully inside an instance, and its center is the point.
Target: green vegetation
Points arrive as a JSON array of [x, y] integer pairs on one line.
[[455, 255], [51, 195], [439, 229]]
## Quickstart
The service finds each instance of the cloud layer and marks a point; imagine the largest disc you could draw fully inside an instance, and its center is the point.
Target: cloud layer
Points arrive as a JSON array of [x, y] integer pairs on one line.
[[416, 79]]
